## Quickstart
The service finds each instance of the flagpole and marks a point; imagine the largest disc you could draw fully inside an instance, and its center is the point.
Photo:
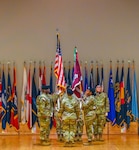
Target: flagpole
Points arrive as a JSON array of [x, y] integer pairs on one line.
[[68, 79], [81, 90], [85, 76]]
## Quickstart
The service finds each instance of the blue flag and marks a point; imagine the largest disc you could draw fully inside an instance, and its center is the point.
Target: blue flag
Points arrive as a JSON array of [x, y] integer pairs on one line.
[[34, 96], [97, 75], [121, 118], [134, 97], [9, 98], [117, 96], [51, 80], [128, 100], [102, 78], [65, 74], [85, 79], [91, 82], [4, 103], [111, 114], [51, 91]]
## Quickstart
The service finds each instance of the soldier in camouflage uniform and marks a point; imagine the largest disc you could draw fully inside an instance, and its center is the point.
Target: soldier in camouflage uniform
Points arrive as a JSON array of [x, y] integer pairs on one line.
[[89, 112], [44, 112], [69, 114], [58, 97], [102, 108]]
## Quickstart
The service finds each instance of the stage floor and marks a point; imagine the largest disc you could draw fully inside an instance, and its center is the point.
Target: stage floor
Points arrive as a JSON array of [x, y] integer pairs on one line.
[[27, 142]]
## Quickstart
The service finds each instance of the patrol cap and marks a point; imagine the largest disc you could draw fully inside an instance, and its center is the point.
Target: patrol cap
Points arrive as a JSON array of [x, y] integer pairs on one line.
[[69, 91], [92, 90], [45, 87]]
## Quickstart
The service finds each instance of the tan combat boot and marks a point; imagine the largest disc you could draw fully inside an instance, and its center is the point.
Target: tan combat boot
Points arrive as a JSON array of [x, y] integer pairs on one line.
[[66, 144], [80, 138], [45, 143], [100, 138], [95, 137]]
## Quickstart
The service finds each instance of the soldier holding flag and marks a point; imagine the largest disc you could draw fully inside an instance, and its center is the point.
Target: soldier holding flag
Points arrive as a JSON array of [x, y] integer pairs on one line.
[[89, 112], [58, 97]]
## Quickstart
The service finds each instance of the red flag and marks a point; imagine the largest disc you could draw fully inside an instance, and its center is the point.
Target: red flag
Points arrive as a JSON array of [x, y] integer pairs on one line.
[[29, 101], [0, 91], [58, 68], [44, 76], [14, 111], [0, 94], [77, 78], [40, 79]]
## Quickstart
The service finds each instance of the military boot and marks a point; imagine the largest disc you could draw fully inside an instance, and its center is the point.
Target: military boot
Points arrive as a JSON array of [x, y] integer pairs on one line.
[[90, 140], [100, 138], [47, 139], [61, 137], [76, 138], [45, 143], [58, 137], [95, 137], [88, 143], [72, 143], [80, 138], [67, 144]]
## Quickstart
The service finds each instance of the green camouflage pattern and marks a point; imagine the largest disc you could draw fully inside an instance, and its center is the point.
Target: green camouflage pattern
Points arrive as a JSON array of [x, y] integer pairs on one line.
[[89, 115], [44, 112], [80, 124], [102, 107], [56, 110], [69, 113]]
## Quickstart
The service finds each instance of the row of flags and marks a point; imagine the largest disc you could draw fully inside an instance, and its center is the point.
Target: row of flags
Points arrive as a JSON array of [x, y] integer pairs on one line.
[[123, 99], [8, 98], [31, 88]]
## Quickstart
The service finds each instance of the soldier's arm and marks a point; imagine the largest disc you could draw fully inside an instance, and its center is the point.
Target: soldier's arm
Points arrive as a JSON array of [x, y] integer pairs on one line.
[[61, 110], [51, 104], [89, 103], [55, 97]]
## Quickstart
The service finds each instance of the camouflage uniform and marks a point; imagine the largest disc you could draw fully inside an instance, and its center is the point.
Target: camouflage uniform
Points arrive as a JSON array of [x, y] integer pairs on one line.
[[89, 115], [56, 110], [80, 124], [44, 111], [69, 113], [102, 107]]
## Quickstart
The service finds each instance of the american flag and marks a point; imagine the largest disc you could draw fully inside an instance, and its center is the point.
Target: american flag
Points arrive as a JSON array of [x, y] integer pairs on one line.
[[58, 68]]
